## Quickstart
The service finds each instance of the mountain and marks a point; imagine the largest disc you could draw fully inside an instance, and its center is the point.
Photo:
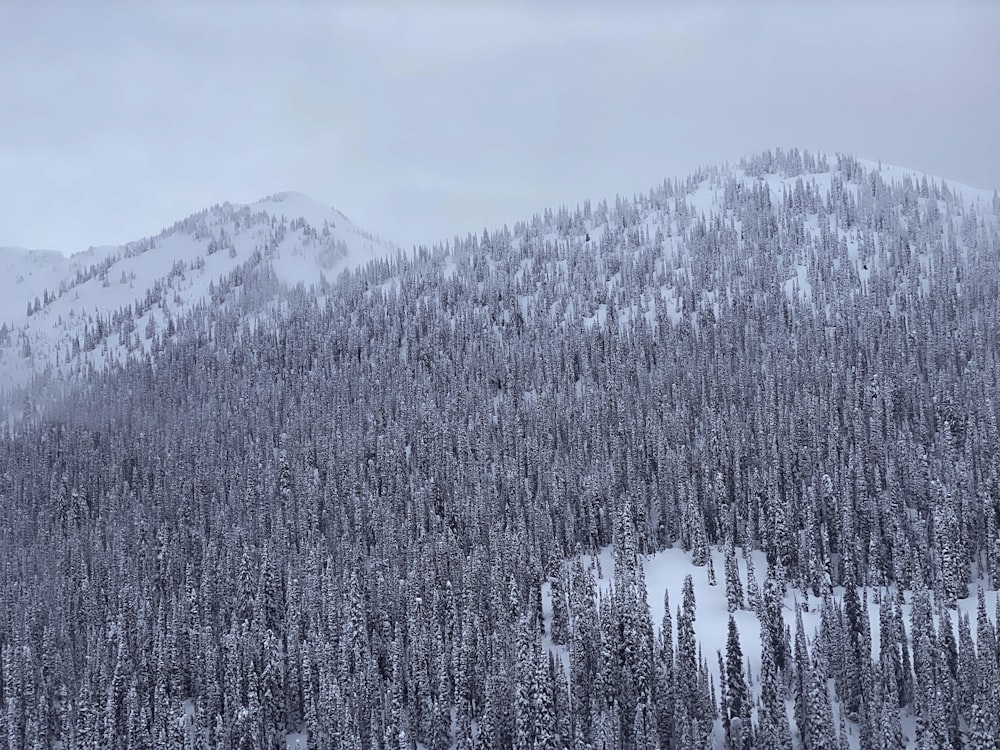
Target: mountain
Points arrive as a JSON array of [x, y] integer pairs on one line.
[[514, 490], [65, 315]]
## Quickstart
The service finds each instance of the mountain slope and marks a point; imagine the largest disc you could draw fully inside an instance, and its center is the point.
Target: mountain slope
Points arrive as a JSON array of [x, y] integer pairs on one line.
[[363, 515], [63, 315]]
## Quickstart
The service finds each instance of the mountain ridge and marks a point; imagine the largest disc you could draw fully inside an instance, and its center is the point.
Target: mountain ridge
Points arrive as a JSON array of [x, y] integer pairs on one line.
[[51, 306], [48, 300]]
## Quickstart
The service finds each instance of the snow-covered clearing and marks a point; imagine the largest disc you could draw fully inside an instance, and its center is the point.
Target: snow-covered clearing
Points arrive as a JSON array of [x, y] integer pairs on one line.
[[665, 572]]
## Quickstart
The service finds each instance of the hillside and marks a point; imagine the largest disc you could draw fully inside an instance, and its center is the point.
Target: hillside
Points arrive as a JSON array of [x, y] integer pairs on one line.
[[66, 315], [428, 503]]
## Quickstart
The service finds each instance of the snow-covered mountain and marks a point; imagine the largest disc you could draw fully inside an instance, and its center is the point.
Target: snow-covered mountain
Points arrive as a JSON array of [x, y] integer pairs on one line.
[[441, 499], [59, 314]]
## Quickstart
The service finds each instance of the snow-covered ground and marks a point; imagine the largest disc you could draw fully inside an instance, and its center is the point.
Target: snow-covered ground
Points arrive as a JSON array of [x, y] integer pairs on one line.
[[665, 571], [48, 302], [98, 305]]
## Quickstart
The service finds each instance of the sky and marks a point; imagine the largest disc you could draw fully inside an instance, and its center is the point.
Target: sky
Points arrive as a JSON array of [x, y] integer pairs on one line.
[[422, 121]]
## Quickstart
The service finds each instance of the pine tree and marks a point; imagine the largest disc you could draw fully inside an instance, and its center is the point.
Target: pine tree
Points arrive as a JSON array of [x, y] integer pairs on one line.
[[820, 732], [982, 731], [734, 587], [687, 708], [856, 654], [890, 728], [772, 625], [772, 727], [737, 695], [688, 600], [559, 631], [753, 588], [664, 685], [802, 677]]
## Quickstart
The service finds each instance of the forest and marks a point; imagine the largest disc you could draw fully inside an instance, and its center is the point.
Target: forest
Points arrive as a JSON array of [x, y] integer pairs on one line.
[[358, 514]]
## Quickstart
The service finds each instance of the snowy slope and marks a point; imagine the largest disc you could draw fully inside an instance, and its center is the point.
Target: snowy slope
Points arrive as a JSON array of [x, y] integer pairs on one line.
[[107, 302], [24, 275], [62, 314], [665, 571], [822, 250]]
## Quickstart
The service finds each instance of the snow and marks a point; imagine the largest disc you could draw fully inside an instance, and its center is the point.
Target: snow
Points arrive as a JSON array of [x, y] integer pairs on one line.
[[25, 275], [893, 173], [303, 240], [293, 205], [798, 287], [309, 243], [665, 571]]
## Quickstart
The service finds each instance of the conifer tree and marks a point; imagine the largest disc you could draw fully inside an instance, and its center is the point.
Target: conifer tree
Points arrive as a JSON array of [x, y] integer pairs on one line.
[[737, 695], [734, 587]]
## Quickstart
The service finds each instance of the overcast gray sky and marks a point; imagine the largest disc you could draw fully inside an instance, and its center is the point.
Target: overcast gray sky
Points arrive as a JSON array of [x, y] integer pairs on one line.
[[421, 120]]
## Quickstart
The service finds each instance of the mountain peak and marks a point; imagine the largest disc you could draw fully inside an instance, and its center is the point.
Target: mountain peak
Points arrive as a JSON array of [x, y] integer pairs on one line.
[[293, 205], [286, 195], [292, 200], [58, 310], [106, 303]]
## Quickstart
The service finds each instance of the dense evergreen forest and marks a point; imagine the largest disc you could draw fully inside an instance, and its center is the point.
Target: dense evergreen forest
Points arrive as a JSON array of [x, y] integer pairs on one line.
[[333, 512]]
